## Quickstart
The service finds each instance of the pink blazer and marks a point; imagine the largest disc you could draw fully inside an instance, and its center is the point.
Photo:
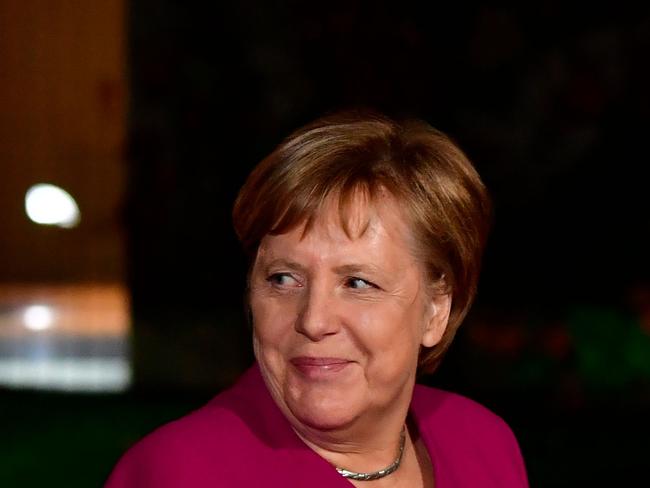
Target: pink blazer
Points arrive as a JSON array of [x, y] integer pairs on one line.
[[241, 439]]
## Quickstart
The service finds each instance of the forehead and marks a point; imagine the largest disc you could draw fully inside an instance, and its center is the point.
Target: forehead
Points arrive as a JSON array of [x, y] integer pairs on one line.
[[365, 229]]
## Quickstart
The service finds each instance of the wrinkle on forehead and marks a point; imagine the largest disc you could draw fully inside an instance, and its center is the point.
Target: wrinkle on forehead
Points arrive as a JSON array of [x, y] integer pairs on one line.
[[352, 212]]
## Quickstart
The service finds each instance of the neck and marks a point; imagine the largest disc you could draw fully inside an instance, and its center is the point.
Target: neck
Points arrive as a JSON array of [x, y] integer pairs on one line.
[[381, 473], [363, 446]]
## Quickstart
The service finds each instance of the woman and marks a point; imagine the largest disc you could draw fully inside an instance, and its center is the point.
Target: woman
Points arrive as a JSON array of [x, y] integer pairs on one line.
[[365, 237]]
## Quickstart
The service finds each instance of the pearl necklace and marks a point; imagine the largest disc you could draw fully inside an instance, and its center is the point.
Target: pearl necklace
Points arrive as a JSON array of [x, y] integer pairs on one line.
[[375, 475]]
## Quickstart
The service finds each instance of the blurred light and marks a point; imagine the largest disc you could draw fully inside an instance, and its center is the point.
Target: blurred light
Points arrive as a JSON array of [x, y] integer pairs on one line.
[[72, 337], [38, 317], [50, 205], [67, 374]]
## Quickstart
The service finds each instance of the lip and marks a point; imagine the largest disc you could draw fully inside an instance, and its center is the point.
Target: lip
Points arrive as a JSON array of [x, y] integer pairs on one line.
[[320, 367]]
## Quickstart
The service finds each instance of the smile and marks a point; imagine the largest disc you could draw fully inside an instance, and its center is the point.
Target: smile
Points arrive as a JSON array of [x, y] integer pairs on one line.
[[319, 367]]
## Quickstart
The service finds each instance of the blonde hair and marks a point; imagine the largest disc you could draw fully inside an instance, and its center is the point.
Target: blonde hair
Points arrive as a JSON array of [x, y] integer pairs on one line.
[[437, 187]]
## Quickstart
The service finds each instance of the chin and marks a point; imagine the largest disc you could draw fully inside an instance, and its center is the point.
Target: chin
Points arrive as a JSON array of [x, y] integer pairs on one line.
[[324, 410], [323, 418]]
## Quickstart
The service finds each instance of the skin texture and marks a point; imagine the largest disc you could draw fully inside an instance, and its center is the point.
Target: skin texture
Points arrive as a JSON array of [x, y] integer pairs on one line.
[[338, 324]]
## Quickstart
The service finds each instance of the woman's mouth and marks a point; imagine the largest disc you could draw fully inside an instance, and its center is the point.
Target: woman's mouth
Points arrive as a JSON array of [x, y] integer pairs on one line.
[[319, 367]]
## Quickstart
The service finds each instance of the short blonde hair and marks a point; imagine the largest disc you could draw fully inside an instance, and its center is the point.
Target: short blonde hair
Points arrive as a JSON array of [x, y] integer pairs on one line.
[[429, 176]]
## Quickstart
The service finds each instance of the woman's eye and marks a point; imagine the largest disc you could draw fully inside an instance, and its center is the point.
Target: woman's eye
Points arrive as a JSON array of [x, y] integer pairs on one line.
[[282, 279], [359, 283]]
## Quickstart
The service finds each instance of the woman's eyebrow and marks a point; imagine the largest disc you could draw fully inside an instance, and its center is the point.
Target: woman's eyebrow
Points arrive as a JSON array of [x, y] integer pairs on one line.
[[284, 263], [348, 269]]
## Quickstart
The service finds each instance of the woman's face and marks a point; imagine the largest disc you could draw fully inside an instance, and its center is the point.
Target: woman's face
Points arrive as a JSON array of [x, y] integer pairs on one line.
[[338, 320]]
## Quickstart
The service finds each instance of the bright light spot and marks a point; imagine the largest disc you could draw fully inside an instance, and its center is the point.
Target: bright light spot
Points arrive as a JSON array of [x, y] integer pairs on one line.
[[38, 317], [51, 205]]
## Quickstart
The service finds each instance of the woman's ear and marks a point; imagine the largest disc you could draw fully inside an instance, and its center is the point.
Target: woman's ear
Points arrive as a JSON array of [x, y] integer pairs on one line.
[[435, 324]]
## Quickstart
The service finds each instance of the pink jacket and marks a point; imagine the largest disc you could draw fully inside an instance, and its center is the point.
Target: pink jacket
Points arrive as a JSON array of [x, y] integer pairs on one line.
[[241, 439]]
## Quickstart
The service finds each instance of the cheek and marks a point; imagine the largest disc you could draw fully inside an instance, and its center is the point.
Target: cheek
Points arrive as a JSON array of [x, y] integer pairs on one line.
[[388, 331], [271, 318], [267, 337]]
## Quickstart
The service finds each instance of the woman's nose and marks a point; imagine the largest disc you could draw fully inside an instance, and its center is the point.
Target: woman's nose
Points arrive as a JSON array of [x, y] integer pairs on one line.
[[317, 319]]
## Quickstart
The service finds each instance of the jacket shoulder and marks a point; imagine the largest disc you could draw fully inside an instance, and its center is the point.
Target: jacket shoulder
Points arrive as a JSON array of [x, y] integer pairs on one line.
[[456, 410], [470, 437], [180, 452]]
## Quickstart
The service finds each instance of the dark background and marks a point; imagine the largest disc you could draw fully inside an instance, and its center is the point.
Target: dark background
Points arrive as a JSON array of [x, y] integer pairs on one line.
[[550, 102]]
